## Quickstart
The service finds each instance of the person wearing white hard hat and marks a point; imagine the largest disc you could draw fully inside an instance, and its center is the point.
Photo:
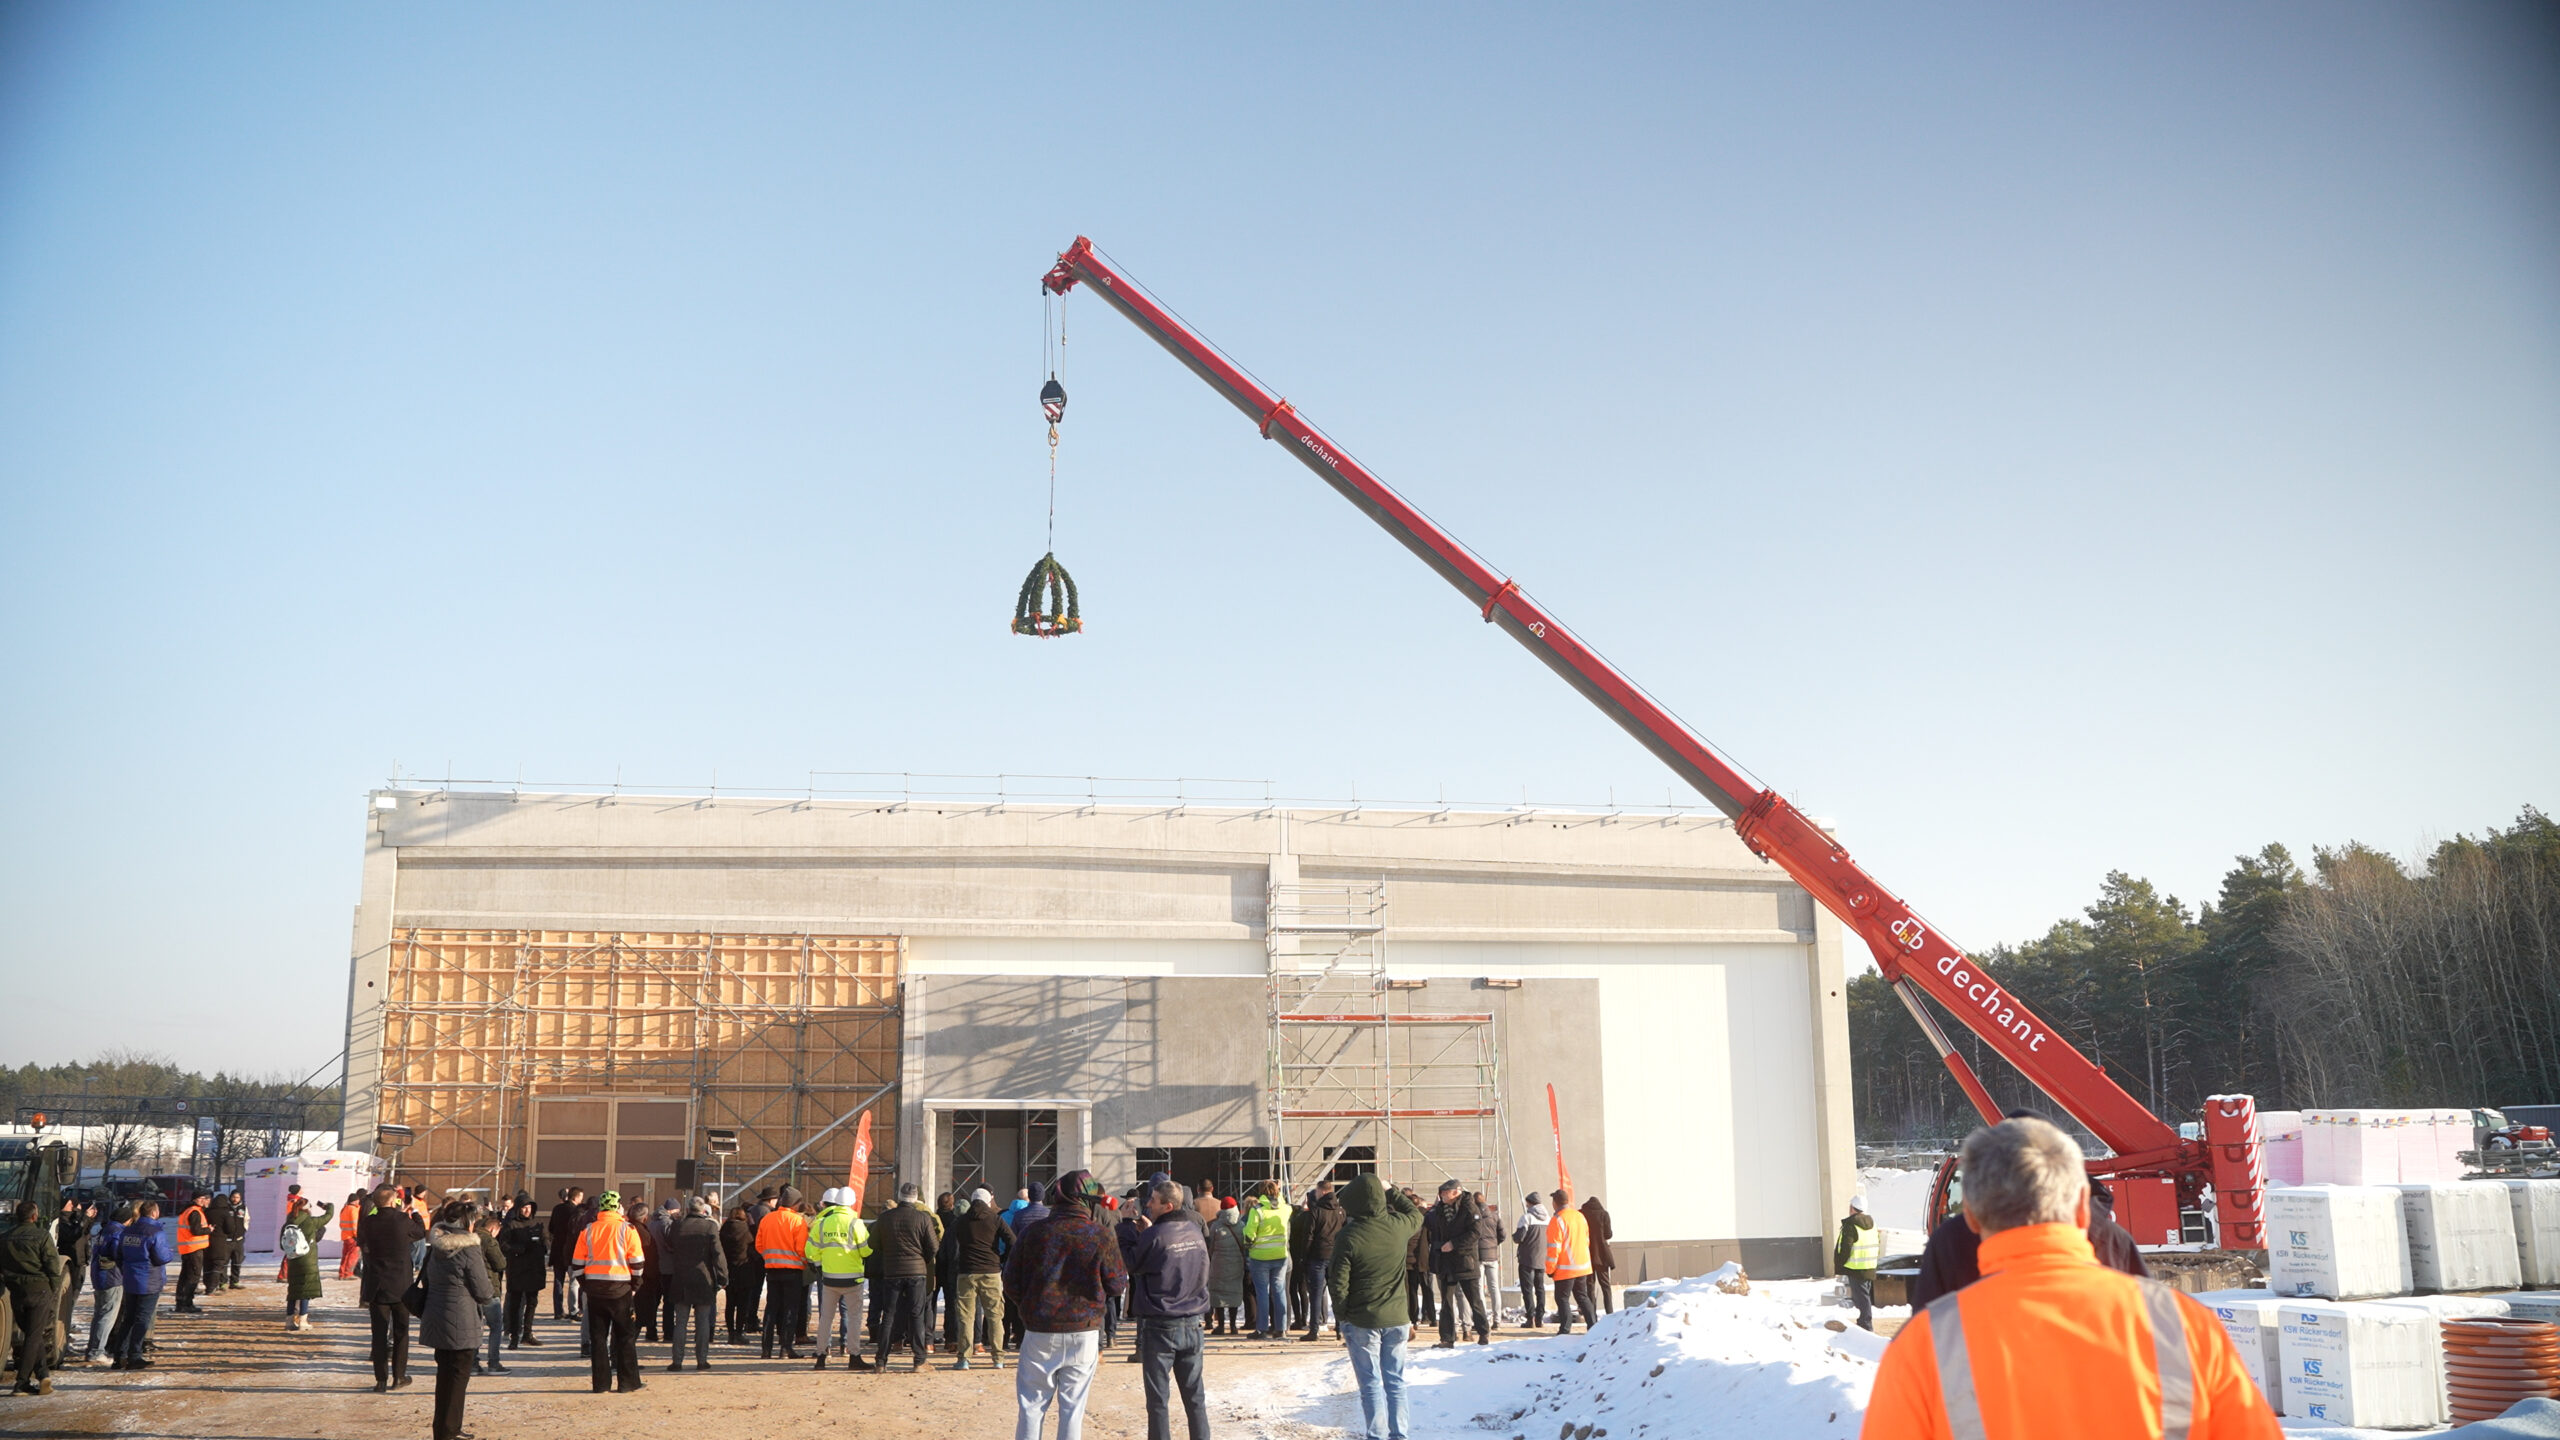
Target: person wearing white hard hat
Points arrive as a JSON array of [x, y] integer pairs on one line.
[[837, 1242], [1855, 1255]]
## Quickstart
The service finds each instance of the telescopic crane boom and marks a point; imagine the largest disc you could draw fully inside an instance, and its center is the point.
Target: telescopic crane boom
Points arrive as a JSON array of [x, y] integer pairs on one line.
[[1914, 957]]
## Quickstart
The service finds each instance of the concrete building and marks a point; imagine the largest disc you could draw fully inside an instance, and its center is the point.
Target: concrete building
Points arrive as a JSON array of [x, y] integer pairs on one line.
[[558, 987]]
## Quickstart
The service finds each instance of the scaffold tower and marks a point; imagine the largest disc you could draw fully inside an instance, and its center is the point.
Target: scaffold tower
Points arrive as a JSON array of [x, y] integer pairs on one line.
[[1359, 1079]]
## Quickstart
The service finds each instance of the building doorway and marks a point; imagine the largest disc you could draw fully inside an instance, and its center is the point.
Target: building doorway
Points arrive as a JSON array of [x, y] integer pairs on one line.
[[1000, 1149]]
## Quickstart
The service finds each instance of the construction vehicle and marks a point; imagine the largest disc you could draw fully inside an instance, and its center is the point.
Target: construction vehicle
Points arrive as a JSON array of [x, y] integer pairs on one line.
[[2224, 1157], [34, 1168], [2512, 1147]]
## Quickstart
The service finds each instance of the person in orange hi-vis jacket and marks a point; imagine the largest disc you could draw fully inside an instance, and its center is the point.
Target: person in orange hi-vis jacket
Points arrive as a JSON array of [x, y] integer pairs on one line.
[[1569, 1262], [348, 1214], [608, 1257], [783, 1242], [2048, 1341]]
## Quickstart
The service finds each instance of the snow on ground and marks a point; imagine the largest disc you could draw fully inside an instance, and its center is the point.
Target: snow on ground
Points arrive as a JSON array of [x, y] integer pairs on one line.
[[1763, 1364]]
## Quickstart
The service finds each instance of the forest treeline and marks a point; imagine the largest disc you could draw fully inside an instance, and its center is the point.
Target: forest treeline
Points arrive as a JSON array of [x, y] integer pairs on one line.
[[121, 1102], [2358, 982]]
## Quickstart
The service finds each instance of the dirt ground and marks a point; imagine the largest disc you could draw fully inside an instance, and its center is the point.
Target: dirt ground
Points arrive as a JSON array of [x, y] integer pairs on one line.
[[237, 1374]]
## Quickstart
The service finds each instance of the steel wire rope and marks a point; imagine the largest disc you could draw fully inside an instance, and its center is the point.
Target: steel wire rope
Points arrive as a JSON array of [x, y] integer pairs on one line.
[[1472, 553]]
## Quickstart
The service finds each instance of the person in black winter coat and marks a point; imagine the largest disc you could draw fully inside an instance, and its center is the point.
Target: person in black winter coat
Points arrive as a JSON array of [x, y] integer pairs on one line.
[[697, 1273], [1325, 1219], [458, 1292], [902, 1247], [746, 1273], [385, 1234], [1603, 1259], [569, 1219], [1953, 1257], [978, 1279], [1450, 1239], [526, 1242]]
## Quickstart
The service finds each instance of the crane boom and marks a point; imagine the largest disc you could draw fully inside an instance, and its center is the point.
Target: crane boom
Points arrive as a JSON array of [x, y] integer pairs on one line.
[[1907, 950]]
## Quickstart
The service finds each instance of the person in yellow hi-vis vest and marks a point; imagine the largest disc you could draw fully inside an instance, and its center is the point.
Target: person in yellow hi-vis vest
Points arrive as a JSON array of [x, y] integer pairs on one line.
[[1569, 1263], [838, 1240], [608, 1258], [1855, 1255]]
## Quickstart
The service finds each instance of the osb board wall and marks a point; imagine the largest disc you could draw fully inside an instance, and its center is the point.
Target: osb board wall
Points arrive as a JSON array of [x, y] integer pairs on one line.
[[773, 1036]]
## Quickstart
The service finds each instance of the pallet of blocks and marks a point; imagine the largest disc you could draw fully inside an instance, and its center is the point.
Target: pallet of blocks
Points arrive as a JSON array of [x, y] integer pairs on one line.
[[2253, 1320], [2336, 1242], [2535, 1206], [2462, 1236]]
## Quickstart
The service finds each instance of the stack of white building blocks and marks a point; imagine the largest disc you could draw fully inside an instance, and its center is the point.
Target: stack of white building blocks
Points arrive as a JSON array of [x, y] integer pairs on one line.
[[2362, 1277]]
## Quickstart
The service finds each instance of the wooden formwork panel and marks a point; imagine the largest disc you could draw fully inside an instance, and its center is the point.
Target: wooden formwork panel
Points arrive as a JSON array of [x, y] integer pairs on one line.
[[771, 1035]]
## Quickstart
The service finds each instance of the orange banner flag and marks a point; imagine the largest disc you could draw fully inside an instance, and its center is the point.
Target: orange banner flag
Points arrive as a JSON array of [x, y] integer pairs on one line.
[[861, 1169], [1555, 1123]]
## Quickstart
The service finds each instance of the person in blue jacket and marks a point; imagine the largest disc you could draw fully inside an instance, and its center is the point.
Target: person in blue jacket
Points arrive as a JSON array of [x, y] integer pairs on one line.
[[143, 1254], [105, 1276]]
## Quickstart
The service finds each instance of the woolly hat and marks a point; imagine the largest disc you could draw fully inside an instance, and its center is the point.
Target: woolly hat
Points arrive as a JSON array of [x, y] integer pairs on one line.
[[1227, 1202], [790, 1195], [1077, 1188], [609, 1200], [980, 1196]]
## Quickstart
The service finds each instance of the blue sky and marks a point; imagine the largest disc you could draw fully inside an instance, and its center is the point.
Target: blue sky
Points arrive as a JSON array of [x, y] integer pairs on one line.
[[2042, 439]]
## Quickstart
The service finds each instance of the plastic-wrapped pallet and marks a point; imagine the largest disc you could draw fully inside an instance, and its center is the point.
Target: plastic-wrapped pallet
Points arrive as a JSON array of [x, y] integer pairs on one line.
[[2454, 1307], [2531, 1304], [2374, 1365], [2453, 1136], [2319, 1148], [2337, 1242], [2535, 1207], [2431, 1145], [2282, 1132], [2253, 1319], [2350, 1147], [2462, 1236]]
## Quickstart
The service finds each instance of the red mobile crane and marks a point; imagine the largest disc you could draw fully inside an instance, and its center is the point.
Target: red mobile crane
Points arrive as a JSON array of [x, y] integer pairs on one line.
[[1913, 956]]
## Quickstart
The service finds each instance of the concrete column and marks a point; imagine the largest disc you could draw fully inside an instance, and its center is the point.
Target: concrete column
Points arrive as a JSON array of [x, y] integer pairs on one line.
[[369, 980], [1834, 1104]]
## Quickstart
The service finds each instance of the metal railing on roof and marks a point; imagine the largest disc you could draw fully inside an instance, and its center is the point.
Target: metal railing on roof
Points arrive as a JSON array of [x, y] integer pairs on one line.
[[915, 788]]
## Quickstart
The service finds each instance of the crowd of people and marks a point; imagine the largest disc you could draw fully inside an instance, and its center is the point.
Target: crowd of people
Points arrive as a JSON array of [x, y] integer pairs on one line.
[[2032, 1302], [1048, 1280]]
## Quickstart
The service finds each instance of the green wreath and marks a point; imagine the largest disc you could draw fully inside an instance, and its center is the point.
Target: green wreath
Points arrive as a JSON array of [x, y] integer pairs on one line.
[[1048, 581]]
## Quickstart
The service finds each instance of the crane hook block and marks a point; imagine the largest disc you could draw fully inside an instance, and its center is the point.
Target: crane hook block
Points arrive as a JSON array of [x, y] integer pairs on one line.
[[1053, 400], [1047, 606]]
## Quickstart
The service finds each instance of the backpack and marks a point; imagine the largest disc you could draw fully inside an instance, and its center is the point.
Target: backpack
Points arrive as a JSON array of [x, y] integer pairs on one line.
[[293, 1242]]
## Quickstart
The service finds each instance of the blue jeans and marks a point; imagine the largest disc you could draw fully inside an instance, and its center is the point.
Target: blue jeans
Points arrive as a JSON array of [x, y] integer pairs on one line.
[[493, 1318], [1319, 1299], [102, 1318], [1377, 1362], [1271, 1293], [133, 1327]]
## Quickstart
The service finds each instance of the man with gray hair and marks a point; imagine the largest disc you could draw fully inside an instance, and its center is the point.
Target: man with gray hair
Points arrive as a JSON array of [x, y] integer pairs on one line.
[[1169, 1292], [2049, 1341]]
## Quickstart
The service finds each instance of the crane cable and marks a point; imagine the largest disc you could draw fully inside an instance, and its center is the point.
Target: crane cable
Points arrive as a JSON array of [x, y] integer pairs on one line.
[[1047, 606]]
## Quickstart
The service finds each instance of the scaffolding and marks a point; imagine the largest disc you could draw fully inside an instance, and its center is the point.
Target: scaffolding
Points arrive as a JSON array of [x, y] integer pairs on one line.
[[1358, 1079], [493, 1039]]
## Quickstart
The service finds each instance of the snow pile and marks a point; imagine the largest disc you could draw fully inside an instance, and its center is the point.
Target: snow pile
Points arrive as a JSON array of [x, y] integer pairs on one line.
[[1758, 1363]]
